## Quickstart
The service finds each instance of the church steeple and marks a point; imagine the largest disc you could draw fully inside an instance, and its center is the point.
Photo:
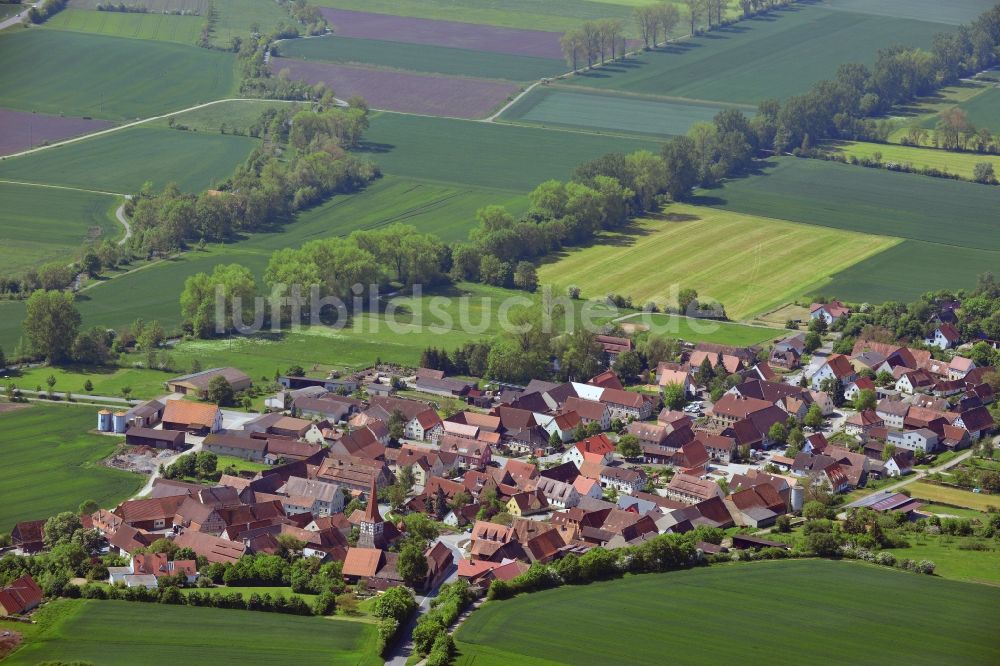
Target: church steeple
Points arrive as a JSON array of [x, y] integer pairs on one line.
[[370, 531]]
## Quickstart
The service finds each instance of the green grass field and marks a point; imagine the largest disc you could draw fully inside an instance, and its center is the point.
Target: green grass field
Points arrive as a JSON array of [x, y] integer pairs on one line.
[[237, 18], [868, 200], [702, 330], [482, 154], [106, 632], [41, 224], [713, 616], [122, 161], [900, 273], [876, 201], [983, 110], [52, 464], [945, 160], [236, 114], [953, 496], [77, 74], [952, 12], [769, 57], [153, 27], [749, 264], [976, 566], [422, 58], [552, 107]]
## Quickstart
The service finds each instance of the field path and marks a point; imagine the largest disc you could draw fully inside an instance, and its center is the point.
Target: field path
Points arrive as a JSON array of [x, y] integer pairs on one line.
[[17, 18], [919, 474], [120, 215], [61, 187], [511, 103]]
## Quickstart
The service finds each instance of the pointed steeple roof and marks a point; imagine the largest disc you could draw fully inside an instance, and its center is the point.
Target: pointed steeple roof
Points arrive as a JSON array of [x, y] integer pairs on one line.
[[372, 514]]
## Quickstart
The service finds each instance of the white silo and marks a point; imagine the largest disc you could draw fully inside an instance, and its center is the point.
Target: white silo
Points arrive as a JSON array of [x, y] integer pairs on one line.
[[104, 420], [119, 422]]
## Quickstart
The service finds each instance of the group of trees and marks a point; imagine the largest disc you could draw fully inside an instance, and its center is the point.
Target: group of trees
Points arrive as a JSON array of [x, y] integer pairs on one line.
[[268, 188], [43, 11], [201, 465], [594, 42], [953, 131], [656, 21], [309, 17], [94, 260]]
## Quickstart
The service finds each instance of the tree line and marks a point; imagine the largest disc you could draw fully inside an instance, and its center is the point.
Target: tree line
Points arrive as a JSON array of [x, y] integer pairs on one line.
[[43, 11]]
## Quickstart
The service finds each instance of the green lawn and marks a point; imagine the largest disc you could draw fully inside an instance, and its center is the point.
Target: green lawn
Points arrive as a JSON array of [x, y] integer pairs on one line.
[[502, 156], [240, 464], [945, 510], [41, 224], [108, 633], [77, 74], [953, 496], [977, 566], [577, 109], [107, 381], [944, 160], [52, 464], [152, 27], [122, 161], [774, 56], [983, 110], [422, 58], [713, 615], [750, 264], [284, 592], [703, 330]]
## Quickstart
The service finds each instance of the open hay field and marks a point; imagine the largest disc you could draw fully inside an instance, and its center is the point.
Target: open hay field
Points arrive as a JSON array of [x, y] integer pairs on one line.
[[774, 56], [702, 330], [406, 92], [426, 58], [52, 463], [238, 18], [95, 631], [749, 264], [122, 161], [842, 196], [901, 273], [814, 595], [153, 27], [485, 155], [577, 109], [954, 496], [953, 12], [983, 110], [20, 130], [79, 74], [961, 164], [39, 225], [952, 560]]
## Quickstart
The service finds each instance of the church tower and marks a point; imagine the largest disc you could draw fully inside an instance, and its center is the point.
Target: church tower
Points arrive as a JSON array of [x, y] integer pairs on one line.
[[372, 524]]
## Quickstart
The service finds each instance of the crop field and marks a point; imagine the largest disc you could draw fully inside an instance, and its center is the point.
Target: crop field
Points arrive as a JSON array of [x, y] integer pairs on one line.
[[192, 6], [953, 12], [868, 200], [407, 92], [551, 15], [367, 25], [763, 58], [482, 154], [39, 225], [7, 11], [153, 27], [238, 18], [901, 272], [945, 160], [552, 107], [749, 264], [680, 613], [235, 114], [52, 463], [77, 74], [23, 130], [122, 161], [92, 631], [423, 58]]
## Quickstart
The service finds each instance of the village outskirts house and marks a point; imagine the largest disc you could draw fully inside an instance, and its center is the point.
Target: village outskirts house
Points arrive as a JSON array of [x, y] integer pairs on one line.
[[943, 337], [837, 367], [831, 312]]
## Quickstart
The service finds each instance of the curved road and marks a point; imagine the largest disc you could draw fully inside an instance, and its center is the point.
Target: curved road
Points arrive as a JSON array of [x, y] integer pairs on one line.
[[120, 214]]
